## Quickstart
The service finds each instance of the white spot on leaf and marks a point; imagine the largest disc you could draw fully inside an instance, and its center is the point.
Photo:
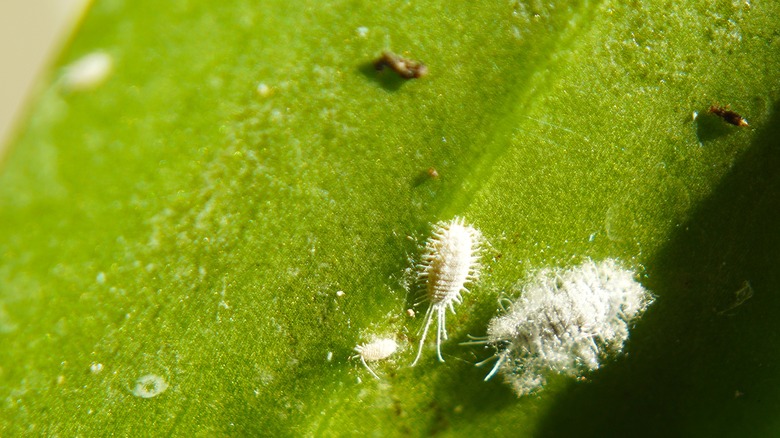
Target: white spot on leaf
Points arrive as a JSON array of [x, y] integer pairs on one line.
[[88, 72], [263, 90], [149, 386]]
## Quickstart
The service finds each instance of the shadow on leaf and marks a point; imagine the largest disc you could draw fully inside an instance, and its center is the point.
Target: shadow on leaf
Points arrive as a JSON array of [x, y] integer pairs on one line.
[[710, 127], [387, 79], [693, 369]]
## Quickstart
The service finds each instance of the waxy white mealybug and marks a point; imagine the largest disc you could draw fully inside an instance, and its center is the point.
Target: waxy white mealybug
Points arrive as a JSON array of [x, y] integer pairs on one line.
[[374, 351], [450, 260]]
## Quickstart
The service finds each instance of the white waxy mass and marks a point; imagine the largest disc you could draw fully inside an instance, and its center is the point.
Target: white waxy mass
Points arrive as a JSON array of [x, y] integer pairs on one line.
[[565, 322]]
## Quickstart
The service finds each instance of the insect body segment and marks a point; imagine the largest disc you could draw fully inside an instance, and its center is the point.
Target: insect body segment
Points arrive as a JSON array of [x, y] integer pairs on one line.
[[374, 351], [451, 260]]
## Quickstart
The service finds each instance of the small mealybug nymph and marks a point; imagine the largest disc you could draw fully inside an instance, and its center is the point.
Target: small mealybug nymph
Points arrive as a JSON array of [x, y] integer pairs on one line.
[[450, 260], [374, 351]]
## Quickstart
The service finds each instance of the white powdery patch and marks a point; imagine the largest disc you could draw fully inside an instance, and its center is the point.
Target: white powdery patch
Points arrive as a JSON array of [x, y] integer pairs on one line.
[[566, 322], [450, 260]]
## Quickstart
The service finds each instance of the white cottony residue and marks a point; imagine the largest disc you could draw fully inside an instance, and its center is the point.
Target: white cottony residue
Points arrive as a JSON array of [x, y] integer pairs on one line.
[[101, 278], [566, 322], [96, 368], [362, 31], [87, 72], [149, 386]]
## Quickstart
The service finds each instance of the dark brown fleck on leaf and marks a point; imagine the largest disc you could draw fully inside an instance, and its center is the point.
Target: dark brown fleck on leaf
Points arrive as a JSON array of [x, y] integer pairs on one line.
[[729, 116]]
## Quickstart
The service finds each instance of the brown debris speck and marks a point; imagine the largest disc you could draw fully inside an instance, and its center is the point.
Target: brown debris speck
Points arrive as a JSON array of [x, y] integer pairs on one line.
[[729, 116], [406, 68]]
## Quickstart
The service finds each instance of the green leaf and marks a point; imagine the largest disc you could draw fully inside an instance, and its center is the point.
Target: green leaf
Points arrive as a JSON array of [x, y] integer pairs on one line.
[[178, 221]]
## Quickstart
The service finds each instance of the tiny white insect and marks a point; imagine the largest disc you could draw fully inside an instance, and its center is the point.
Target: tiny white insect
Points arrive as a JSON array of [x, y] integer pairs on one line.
[[450, 260], [376, 350]]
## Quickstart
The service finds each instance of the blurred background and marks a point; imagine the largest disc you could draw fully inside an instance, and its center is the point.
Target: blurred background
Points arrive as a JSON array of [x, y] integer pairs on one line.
[[31, 34]]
